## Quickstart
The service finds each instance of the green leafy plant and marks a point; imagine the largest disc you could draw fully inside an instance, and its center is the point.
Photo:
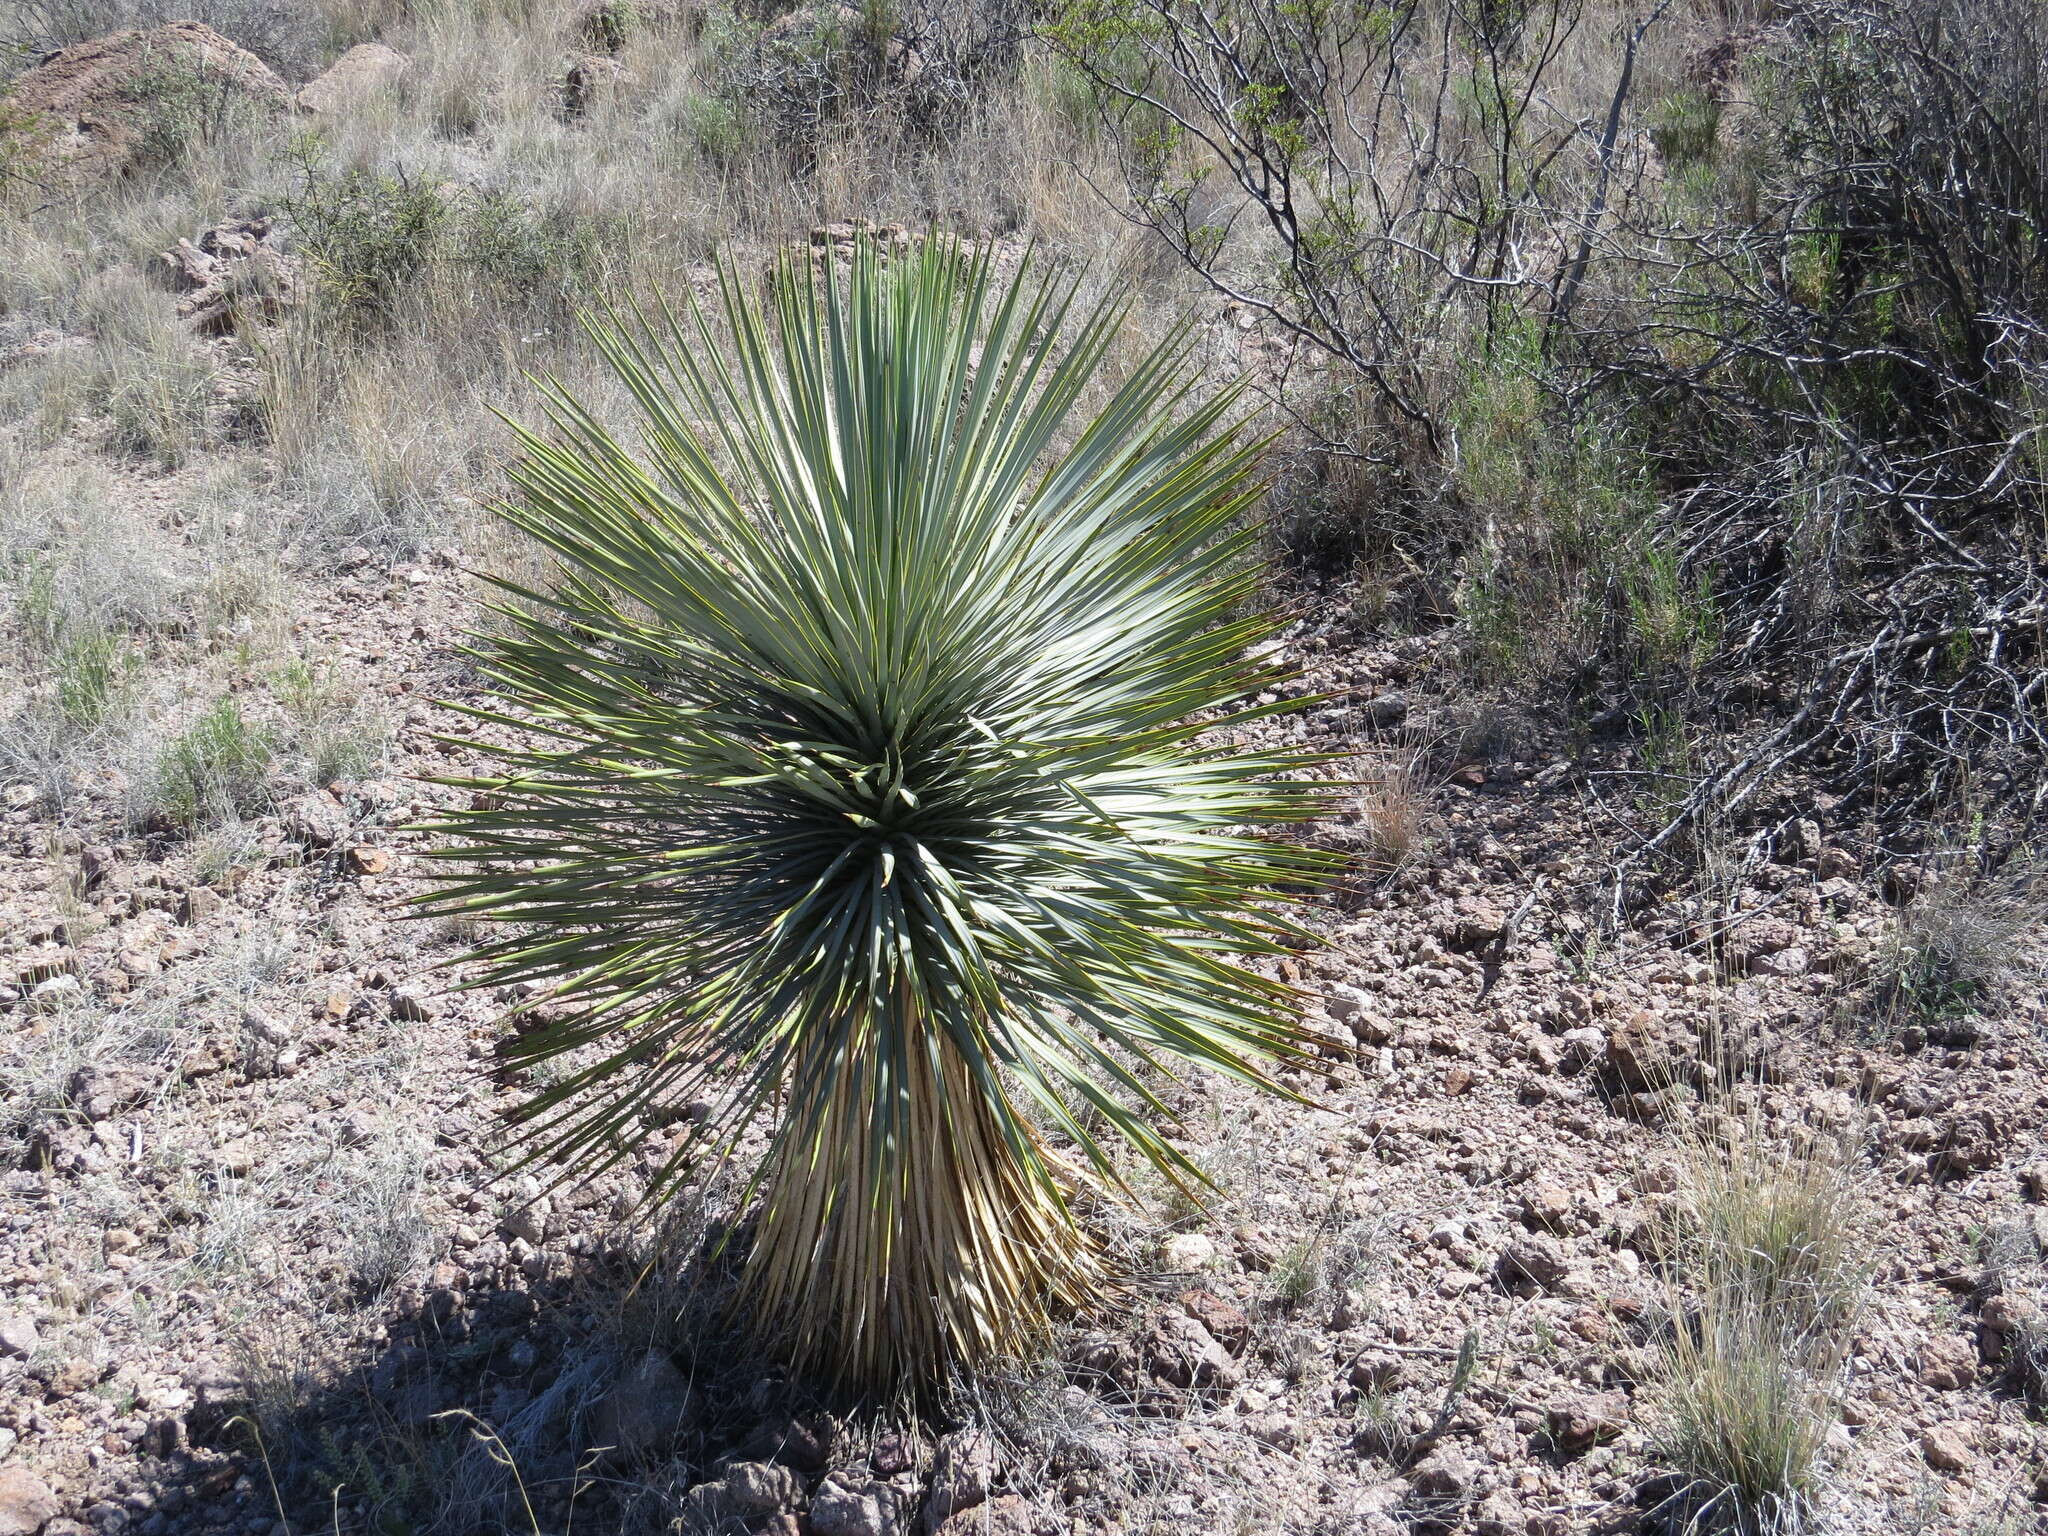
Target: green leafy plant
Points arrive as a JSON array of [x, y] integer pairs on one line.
[[873, 790], [92, 674], [366, 233], [216, 770]]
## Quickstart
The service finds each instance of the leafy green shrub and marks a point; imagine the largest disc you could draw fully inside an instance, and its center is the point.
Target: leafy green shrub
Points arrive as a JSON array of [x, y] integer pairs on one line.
[[366, 233], [177, 108], [716, 129], [509, 242], [372, 235], [870, 783], [214, 771]]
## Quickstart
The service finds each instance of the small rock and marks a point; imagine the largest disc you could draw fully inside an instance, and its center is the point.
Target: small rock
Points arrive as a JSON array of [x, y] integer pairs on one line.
[[1009, 1515], [1537, 1260], [48, 996], [894, 1454], [318, 821], [1944, 1449], [412, 1002], [1640, 1053], [18, 1335], [750, 1492], [1500, 1515], [644, 1411], [844, 1506], [1275, 1429], [1350, 1310], [802, 1444], [1182, 1353], [1446, 1473], [1376, 1370], [1230, 1325], [1182, 1253], [367, 859], [755, 1488], [73, 1377], [1947, 1363], [1344, 1003], [197, 905], [1586, 1419], [26, 1502], [1384, 710], [100, 1093], [1584, 1045], [1545, 1205], [265, 1028], [589, 80], [1785, 962], [962, 1474], [529, 1223]]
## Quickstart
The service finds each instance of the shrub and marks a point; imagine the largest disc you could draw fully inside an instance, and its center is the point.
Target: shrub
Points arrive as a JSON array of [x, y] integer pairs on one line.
[[366, 233], [373, 236], [866, 784]]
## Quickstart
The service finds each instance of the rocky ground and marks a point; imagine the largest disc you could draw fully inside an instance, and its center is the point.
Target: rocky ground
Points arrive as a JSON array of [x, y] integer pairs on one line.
[[254, 1205], [264, 1265]]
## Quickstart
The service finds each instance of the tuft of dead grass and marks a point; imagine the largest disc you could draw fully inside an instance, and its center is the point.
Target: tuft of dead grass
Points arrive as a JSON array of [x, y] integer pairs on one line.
[[1767, 1280], [1953, 945], [1393, 809]]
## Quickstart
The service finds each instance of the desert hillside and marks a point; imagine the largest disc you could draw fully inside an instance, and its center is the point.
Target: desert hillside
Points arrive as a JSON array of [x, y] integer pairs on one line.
[[1636, 962]]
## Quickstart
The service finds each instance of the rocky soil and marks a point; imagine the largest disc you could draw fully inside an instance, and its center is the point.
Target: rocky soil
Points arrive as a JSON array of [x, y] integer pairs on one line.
[[266, 1265], [253, 1188]]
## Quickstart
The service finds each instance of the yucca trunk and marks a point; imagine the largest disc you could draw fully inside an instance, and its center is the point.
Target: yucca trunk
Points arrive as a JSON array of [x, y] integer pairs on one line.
[[900, 1227]]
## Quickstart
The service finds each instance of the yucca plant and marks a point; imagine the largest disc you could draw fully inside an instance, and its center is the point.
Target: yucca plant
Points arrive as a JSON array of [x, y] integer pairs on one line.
[[878, 786]]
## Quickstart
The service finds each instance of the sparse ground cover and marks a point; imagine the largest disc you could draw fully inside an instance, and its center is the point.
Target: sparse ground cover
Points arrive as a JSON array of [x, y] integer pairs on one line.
[[1726, 1213]]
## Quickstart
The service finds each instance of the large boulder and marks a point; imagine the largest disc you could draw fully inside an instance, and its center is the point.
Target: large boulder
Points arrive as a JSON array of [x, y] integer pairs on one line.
[[353, 79], [108, 106]]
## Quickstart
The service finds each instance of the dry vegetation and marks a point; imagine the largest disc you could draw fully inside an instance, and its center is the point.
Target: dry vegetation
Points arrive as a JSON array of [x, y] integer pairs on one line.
[[1659, 499]]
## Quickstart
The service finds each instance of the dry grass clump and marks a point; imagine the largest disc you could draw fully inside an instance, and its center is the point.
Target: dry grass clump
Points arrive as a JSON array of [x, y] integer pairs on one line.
[[1393, 809], [1767, 1281], [41, 1064], [1953, 944]]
